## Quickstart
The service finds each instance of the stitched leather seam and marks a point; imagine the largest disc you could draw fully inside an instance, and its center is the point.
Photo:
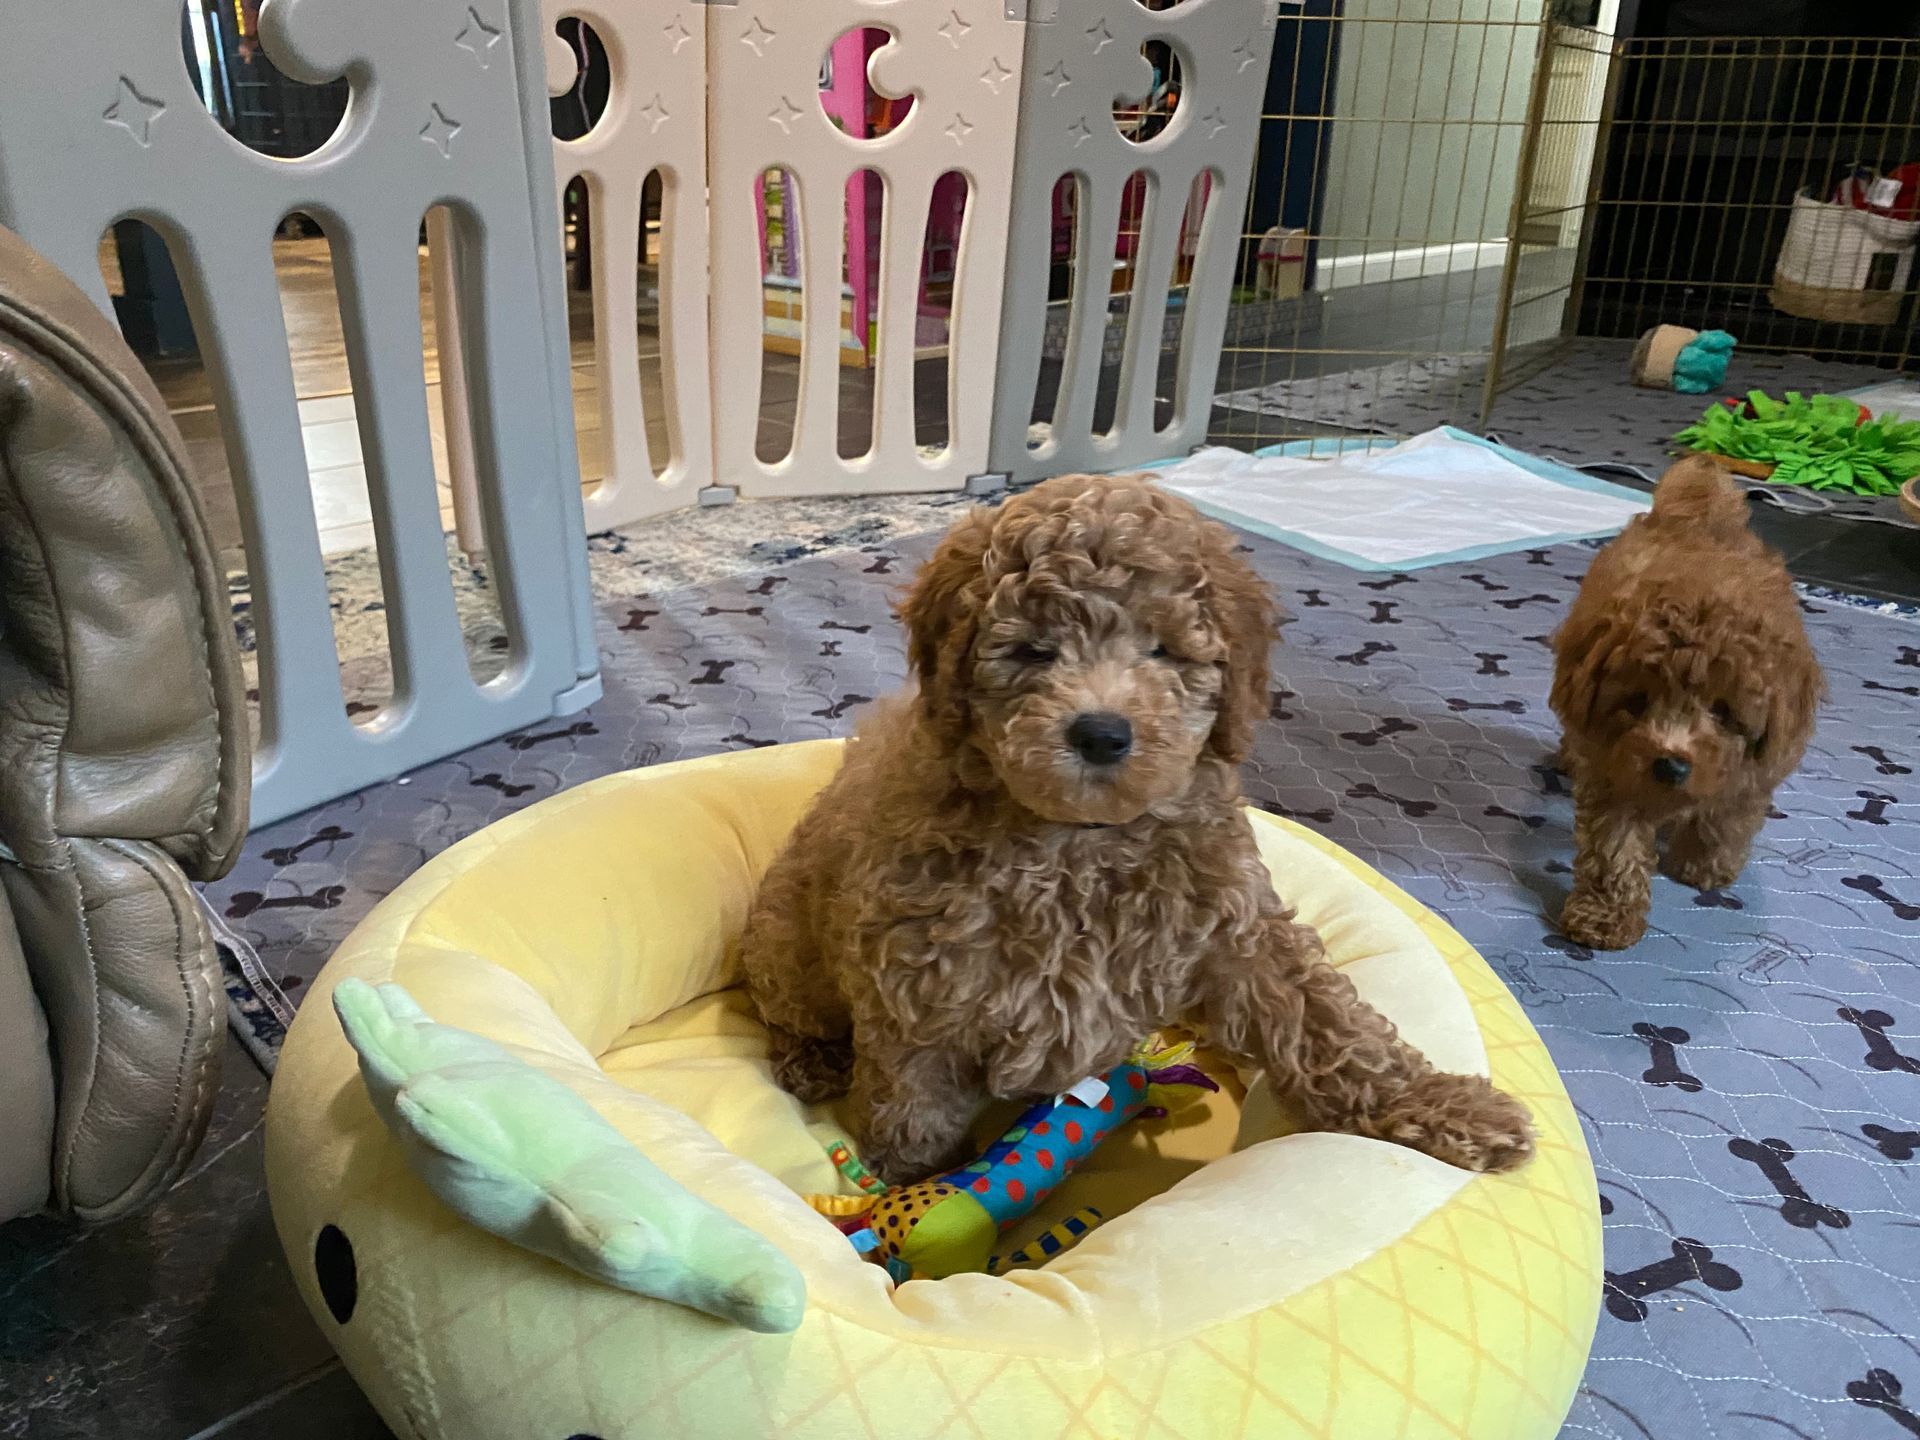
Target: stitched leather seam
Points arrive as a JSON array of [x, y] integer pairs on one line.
[[63, 1157], [185, 1063], [63, 1163], [65, 678], [73, 357]]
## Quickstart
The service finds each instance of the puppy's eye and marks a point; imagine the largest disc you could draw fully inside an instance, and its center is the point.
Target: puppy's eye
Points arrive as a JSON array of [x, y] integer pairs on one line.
[[1025, 654], [1723, 713], [1159, 652], [1635, 704]]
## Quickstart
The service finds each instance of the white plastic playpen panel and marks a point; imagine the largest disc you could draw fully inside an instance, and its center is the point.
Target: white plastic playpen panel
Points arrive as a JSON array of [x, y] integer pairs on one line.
[[960, 60], [655, 121], [441, 113], [1079, 64], [448, 120]]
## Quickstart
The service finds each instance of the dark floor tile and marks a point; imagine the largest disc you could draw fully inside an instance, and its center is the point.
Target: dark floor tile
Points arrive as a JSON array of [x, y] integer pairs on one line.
[[856, 421], [164, 1323], [774, 440], [322, 1405], [1789, 532], [1878, 560], [779, 381]]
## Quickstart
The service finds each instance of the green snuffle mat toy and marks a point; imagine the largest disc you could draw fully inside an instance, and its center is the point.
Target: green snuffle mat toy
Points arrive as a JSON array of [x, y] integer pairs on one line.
[[1821, 442]]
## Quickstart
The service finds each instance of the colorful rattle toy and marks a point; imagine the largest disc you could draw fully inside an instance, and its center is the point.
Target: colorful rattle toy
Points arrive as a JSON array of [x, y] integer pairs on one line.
[[948, 1225]]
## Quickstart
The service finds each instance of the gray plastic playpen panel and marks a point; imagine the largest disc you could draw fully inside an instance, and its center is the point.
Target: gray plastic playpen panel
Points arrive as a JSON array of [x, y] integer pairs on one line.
[[100, 121], [1080, 58]]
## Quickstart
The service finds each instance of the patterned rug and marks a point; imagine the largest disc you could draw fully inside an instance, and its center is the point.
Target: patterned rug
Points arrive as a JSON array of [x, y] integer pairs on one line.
[[685, 547], [1748, 1076], [1580, 408]]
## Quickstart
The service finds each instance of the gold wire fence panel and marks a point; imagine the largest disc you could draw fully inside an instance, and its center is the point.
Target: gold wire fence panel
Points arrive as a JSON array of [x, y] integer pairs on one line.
[[1395, 134], [1486, 183], [1710, 144]]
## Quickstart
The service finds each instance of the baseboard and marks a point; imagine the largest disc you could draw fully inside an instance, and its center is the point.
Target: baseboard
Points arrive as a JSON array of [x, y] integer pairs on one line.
[[1372, 267]]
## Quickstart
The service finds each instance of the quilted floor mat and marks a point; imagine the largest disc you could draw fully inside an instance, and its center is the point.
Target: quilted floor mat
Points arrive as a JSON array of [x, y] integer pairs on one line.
[[1749, 1076]]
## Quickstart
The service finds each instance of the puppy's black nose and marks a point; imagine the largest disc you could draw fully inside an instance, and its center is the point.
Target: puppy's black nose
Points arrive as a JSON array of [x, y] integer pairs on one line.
[[1101, 738], [1671, 770]]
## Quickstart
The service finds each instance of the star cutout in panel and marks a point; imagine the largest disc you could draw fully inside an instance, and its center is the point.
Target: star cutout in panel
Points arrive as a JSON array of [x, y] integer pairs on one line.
[[440, 130], [677, 33], [1080, 131], [1100, 35], [995, 75], [954, 28], [786, 114], [1215, 122], [133, 112], [960, 129], [1056, 75], [1247, 52], [757, 37], [478, 38], [654, 113]]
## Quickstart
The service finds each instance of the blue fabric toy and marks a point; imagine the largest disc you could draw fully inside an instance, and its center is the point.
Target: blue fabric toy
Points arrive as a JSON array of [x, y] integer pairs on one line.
[[1672, 357], [1702, 365]]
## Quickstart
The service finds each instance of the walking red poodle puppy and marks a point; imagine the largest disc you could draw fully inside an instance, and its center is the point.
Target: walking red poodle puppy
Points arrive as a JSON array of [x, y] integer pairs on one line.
[[1686, 690]]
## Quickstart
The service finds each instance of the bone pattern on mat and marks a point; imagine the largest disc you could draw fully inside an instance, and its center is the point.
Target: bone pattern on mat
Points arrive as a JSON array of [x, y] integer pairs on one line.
[[1778, 1018]]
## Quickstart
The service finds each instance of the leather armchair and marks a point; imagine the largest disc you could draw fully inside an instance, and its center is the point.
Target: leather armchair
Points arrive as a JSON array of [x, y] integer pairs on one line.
[[124, 765]]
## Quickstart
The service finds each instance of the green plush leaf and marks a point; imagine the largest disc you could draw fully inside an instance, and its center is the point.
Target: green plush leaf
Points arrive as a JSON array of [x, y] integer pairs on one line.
[[1817, 441]]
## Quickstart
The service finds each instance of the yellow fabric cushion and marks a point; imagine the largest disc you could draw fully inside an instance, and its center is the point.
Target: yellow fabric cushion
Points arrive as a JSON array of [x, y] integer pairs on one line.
[[1251, 1281]]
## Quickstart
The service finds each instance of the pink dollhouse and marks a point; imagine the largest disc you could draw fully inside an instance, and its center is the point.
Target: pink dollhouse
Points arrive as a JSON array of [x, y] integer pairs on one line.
[[856, 108]]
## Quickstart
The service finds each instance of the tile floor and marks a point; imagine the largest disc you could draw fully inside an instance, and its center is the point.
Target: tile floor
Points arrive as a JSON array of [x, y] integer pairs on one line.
[[178, 1322], [1878, 560]]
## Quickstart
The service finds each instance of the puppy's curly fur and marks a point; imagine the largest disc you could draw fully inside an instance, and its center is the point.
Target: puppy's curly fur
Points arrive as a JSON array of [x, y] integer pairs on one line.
[[988, 900], [1686, 692]]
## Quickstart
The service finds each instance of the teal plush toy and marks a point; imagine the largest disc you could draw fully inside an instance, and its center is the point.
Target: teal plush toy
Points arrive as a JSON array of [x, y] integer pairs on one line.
[[1672, 357], [517, 1153], [1702, 364]]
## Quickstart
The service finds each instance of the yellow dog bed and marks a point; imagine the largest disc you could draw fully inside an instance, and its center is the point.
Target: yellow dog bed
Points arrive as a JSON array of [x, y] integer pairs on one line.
[[1306, 1285]]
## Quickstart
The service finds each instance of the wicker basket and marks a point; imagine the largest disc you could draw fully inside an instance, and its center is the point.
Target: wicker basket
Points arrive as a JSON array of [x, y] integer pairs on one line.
[[1842, 264]]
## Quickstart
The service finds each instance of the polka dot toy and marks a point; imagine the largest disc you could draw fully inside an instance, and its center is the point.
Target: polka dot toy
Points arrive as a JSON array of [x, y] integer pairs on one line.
[[948, 1225]]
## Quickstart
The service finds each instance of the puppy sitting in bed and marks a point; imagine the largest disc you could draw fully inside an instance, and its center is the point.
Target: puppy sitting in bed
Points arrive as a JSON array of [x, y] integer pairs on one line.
[[1040, 857], [1686, 690]]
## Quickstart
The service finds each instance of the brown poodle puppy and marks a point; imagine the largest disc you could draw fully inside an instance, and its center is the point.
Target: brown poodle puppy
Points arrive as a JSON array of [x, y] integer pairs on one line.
[[1686, 691], [1040, 857]]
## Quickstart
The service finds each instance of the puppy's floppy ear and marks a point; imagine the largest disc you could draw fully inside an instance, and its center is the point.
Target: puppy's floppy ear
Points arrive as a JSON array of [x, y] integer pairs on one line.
[[1244, 609], [940, 612], [1582, 651], [1792, 698]]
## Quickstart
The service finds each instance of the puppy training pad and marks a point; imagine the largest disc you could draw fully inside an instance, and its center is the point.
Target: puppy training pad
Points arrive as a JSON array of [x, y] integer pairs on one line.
[[1292, 1285], [1439, 497]]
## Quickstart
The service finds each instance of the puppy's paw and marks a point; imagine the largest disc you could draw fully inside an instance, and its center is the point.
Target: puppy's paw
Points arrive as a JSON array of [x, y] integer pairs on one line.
[[1702, 871], [812, 1070], [1460, 1119], [908, 1164], [1601, 924]]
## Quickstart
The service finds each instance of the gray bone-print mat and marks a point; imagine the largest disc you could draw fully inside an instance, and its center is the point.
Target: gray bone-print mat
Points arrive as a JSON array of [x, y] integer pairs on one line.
[[1749, 1076]]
